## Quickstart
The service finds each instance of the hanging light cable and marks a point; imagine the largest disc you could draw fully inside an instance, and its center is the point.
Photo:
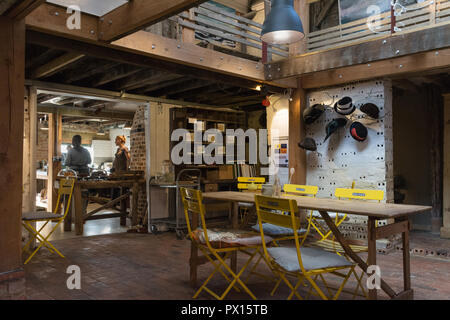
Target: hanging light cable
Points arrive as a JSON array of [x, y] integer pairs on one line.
[[282, 25]]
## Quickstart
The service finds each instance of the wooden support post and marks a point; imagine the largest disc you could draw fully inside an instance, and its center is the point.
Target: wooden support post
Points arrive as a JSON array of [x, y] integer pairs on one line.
[[12, 83], [297, 156], [51, 174], [302, 8], [187, 34]]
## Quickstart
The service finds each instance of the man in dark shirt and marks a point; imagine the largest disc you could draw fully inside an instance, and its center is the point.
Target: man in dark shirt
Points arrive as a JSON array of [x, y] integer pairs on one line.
[[78, 158]]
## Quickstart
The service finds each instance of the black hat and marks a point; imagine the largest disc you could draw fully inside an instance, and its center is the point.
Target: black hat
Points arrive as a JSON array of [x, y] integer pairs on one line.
[[313, 113], [371, 110], [308, 144], [358, 131], [345, 106], [334, 125]]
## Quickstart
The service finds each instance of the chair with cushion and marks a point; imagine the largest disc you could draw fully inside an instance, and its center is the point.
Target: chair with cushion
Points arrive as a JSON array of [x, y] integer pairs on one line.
[[218, 245], [330, 244], [279, 233], [29, 218], [305, 265]]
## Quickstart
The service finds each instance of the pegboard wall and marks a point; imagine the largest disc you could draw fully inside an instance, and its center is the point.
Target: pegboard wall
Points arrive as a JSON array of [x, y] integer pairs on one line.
[[341, 159]]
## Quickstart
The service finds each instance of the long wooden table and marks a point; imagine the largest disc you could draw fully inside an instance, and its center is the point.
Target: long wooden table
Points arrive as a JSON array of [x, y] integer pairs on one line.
[[374, 211], [81, 218]]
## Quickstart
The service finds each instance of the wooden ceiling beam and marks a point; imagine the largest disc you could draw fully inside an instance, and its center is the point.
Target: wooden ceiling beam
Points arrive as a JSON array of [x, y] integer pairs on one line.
[[385, 48], [56, 65], [163, 84], [117, 73], [91, 70], [52, 19], [138, 14], [23, 8], [390, 68]]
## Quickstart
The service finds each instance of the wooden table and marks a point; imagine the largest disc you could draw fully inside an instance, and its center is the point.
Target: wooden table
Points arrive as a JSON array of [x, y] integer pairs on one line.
[[81, 218], [374, 211]]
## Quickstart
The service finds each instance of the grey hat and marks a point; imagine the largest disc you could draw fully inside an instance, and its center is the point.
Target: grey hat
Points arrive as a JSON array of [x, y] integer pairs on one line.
[[334, 125], [308, 144]]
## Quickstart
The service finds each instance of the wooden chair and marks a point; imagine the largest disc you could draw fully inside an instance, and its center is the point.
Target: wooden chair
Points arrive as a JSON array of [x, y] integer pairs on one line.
[[218, 245], [334, 246], [302, 263], [28, 218]]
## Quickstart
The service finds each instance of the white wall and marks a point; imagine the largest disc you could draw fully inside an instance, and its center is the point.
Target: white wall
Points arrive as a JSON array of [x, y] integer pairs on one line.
[[278, 127]]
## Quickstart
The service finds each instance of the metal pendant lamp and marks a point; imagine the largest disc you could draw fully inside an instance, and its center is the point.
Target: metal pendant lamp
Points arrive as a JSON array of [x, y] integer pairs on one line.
[[282, 25]]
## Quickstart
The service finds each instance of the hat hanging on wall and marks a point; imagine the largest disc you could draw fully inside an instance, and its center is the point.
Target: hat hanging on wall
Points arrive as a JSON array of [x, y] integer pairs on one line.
[[311, 114], [345, 106], [358, 131], [371, 110], [333, 126], [308, 144]]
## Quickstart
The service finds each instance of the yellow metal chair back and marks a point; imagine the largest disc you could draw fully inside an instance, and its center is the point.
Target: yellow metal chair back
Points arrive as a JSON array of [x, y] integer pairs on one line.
[[244, 182], [301, 190], [65, 189], [273, 211], [359, 194]]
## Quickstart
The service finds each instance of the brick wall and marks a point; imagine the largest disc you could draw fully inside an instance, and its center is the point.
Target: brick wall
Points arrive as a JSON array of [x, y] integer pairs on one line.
[[138, 156], [42, 145]]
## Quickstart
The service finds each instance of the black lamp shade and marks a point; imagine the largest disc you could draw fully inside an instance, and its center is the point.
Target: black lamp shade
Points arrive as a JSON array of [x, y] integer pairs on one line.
[[282, 25]]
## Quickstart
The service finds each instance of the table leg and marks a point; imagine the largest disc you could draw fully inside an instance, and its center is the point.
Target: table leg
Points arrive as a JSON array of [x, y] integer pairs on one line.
[[234, 225], [78, 203], [134, 206], [361, 263], [372, 252], [193, 261], [408, 292], [68, 219], [123, 209]]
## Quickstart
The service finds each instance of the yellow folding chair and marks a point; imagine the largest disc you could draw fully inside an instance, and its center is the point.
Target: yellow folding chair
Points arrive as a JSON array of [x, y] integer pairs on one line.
[[334, 246], [216, 247], [301, 263], [29, 218], [248, 184], [278, 233]]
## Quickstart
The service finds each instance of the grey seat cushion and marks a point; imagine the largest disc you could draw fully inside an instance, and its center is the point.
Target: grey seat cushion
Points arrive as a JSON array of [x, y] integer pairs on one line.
[[277, 231], [312, 258], [331, 214], [40, 215]]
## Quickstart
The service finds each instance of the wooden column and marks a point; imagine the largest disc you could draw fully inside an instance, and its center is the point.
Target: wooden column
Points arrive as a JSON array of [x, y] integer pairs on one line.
[[188, 35], [12, 82], [445, 230], [302, 8], [297, 156], [51, 194]]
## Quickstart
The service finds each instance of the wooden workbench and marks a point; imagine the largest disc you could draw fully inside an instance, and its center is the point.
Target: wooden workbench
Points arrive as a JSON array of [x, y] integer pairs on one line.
[[81, 218]]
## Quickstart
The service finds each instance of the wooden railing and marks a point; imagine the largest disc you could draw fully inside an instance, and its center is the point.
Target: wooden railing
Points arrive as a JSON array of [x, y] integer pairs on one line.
[[427, 14], [228, 30]]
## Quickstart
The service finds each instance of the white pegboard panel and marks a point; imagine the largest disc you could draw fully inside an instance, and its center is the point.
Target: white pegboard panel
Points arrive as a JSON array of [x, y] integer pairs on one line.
[[341, 160]]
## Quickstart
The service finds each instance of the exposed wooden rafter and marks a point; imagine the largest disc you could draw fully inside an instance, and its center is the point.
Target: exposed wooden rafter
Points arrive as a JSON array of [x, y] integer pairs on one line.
[[138, 14]]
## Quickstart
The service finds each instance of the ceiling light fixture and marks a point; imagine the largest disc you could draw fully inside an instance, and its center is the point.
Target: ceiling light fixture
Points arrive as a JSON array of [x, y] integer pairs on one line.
[[282, 25]]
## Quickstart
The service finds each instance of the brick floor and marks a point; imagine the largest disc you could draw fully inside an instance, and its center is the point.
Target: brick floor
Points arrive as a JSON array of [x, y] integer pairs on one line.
[[144, 266]]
